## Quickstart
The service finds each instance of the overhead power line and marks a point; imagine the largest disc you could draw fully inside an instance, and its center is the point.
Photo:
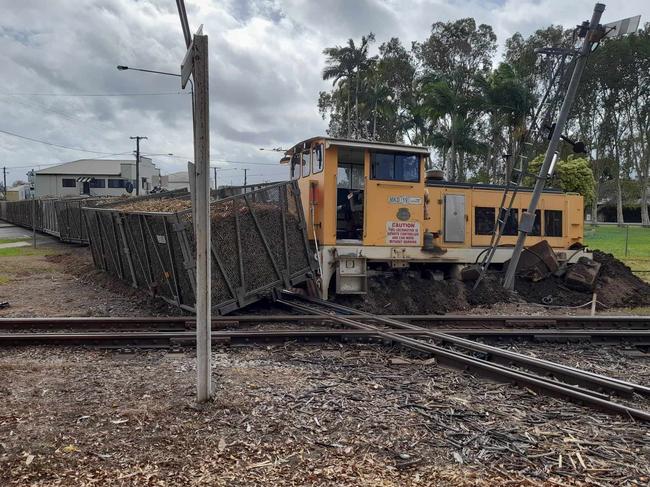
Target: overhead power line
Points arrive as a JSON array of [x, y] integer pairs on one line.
[[97, 94], [187, 158], [78, 149]]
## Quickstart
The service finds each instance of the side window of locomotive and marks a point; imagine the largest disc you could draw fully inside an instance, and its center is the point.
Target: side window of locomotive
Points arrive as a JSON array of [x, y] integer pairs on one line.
[[537, 225], [317, 158], [553, 223], [395, 167], [295, 164], [512, 223], [484, 220], [306, 165]]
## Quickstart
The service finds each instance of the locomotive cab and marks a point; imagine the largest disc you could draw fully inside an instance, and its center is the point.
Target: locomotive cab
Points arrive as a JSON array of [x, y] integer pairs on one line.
[[369, 206]]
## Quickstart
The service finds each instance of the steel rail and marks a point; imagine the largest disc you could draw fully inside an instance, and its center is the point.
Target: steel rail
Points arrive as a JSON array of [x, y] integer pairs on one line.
[[504, 356], [329, 333], [641, 321], [496, 371], [133, 338]]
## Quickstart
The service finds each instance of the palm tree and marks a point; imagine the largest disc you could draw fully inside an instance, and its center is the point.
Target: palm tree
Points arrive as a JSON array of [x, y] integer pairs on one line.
[[347, 63], [339, 68], [360, 62]]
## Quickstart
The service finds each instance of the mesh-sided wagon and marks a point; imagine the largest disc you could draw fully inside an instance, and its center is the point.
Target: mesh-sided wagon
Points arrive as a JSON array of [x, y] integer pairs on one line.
[[58, 217], [259, 243]]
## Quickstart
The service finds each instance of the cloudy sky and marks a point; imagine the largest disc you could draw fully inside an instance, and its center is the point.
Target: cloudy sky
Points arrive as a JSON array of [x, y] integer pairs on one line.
[[265, 65]]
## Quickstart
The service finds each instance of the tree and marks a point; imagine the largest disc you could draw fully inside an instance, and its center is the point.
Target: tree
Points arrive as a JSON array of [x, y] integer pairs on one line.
[[571, 175], [340, 69], [346, 65], [455, 60]]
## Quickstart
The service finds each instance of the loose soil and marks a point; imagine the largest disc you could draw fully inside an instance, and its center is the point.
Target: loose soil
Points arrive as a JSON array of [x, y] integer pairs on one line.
[[66, 283], [413, 292], [305, 415]]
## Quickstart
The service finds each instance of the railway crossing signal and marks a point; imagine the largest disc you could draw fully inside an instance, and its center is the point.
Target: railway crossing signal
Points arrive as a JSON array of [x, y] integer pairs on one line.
[[592, 33]]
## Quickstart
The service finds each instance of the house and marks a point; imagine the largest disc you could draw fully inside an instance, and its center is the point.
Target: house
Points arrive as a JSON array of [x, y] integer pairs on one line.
[[96, 177], [176, 180], [18, 193]]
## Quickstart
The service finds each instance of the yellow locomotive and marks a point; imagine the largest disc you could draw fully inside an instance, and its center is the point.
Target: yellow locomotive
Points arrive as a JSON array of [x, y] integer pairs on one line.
[[370, 205]]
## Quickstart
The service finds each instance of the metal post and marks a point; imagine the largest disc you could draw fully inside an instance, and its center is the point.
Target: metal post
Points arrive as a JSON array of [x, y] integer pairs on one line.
[[528, 217], [202, 224], [33, 192], [137, 163]]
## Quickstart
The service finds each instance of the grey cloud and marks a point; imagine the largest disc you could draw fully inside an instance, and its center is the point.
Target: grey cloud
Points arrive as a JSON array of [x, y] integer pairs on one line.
[[265, 56]]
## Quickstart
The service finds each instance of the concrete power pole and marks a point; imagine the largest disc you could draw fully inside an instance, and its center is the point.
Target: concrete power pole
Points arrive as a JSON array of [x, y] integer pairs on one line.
[[528, 217], [203, 240], [137, 139], [195, 64]]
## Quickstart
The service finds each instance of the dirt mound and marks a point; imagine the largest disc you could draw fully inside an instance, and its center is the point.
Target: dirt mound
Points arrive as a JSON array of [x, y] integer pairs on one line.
[[617, 286], [413, 292]]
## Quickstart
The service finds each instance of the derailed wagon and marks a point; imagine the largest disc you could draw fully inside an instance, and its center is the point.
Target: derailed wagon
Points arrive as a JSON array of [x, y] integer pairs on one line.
[[259, 243], [60, 217]]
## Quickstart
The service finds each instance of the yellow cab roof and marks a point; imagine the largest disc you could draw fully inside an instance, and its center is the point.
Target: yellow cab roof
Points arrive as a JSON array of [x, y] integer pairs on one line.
[[359, 143]]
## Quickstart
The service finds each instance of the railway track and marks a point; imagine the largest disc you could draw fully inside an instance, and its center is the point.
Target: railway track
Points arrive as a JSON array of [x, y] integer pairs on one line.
[[608, 336], [449, 341], [503, 365], [488, 323]]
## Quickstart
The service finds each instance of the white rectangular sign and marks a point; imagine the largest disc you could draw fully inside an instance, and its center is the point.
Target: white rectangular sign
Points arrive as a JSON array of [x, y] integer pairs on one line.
[[405, 200], [403, 233]]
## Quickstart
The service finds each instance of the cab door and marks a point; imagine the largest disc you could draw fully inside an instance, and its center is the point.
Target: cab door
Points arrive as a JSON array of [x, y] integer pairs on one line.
[[394, 213]]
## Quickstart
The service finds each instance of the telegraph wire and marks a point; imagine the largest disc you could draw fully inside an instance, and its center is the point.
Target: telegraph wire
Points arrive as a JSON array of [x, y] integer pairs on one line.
[[78, 149], [164, 93]]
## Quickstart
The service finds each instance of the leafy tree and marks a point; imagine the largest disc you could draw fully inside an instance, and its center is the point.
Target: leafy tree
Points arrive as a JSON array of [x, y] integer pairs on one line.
[[346, 65], [571, 175], [455, 60], [445, 93]]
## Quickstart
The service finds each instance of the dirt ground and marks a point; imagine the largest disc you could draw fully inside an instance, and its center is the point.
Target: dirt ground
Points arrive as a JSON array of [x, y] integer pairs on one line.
[[62, 281], [291, 414], [304, 415]]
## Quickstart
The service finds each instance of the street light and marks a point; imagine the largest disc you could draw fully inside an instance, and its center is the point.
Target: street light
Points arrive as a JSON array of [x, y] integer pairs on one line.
[[121, 67]]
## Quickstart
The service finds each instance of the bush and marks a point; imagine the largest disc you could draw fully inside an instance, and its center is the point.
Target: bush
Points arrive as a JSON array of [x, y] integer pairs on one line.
[[573, 175]]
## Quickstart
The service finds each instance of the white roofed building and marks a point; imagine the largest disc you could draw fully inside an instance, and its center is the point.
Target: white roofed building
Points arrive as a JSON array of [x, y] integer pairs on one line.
[[96, 177]]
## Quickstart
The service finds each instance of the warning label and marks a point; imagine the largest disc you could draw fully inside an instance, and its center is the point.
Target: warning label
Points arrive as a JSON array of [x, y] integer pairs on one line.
[[403, 233]]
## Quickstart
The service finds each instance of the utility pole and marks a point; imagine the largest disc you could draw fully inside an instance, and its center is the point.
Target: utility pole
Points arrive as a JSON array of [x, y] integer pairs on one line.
[[245, 176], [4, 175], [215, 178], [591, 37], [195, 64], [32, 191], [137, 139]]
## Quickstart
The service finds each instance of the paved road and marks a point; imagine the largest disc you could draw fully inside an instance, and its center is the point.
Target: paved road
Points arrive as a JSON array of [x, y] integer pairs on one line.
[[7, 230]]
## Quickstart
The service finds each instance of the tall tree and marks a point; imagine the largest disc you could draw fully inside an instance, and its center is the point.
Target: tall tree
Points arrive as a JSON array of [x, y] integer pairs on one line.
[[455, 60], [339, 67]]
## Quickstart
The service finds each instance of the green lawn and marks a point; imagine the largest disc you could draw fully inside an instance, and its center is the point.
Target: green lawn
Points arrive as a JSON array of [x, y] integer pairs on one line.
[[611, 239], [24, 251], [12, 240]]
